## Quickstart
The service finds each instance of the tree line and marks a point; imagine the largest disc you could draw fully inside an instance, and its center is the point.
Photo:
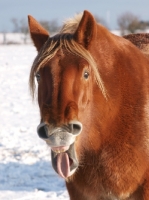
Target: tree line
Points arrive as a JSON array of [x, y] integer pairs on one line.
[[127, 23]]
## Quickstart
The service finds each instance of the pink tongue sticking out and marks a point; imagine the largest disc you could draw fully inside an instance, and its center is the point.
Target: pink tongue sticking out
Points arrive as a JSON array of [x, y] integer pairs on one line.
[[63, 165]]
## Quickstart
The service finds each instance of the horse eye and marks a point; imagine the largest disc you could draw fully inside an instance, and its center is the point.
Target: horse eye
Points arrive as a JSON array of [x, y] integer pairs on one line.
[[86, 75], [37, 77]]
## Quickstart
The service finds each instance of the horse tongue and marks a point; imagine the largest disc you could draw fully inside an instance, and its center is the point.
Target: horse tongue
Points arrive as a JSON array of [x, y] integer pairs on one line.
[[63, 165]]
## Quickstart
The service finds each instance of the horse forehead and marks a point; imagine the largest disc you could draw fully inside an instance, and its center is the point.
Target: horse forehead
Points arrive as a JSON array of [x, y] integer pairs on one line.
[[66, 61]]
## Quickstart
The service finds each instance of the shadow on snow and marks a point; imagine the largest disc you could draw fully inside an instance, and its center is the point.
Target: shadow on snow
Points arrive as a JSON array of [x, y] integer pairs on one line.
[[23, 177]]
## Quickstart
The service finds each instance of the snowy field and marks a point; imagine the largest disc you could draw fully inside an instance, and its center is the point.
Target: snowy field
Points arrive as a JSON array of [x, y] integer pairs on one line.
[[25, 168]]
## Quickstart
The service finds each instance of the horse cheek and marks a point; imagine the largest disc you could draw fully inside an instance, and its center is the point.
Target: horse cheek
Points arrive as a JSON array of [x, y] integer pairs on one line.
[[85, 98], [85, 95]]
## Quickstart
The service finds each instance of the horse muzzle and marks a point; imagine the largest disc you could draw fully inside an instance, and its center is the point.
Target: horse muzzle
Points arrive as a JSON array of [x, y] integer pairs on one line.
[[59, 136], [62, 143]]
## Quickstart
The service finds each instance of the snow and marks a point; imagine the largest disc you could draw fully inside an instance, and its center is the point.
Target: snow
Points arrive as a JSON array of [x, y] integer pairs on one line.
[[14, 38], [25, 163]]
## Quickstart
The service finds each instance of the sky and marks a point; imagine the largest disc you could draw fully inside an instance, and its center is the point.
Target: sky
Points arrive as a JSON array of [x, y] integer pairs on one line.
[[109, 10]]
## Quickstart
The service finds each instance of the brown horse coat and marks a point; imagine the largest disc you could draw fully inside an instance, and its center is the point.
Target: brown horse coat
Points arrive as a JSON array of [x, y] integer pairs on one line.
[[93, 95]]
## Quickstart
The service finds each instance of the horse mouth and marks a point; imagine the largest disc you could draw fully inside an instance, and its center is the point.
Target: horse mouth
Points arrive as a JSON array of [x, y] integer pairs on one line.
[[64, 160]]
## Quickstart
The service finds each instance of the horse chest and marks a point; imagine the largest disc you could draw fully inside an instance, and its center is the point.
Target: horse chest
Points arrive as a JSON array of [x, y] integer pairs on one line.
[[90, 183]]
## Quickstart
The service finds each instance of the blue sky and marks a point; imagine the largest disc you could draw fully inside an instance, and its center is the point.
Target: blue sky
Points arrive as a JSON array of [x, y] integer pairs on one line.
[[109, 10]]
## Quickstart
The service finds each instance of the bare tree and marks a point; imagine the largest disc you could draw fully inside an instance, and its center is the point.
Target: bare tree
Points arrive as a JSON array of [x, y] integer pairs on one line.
[[15, 22], [4, 38], [128, 22], [100, 21], [24, 29], [20, 26], [144, 25], [52, 25]]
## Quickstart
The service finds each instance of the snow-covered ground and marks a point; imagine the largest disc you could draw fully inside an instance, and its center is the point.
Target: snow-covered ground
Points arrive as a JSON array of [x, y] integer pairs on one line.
[[25, 168]]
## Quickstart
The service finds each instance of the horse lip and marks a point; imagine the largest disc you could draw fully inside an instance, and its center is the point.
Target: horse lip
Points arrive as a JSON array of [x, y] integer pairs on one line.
[[72, 155]]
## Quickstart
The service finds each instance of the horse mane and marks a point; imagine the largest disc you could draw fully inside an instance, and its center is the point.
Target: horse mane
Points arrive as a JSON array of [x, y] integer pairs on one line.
[[64, 40], [71, 24]]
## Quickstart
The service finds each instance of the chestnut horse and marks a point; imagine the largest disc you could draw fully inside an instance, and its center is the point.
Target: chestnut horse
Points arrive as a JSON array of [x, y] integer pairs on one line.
[[93, 95]]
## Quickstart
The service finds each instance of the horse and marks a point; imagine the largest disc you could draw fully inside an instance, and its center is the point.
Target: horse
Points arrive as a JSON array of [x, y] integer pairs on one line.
[[93, 96]]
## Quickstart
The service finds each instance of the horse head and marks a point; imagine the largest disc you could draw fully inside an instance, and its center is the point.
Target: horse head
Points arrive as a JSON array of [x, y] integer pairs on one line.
[[65, 80]]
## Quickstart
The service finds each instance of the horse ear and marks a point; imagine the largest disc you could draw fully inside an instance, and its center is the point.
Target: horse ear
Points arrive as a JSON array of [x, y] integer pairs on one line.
[[140, 40], [38, 34], [86, 30]]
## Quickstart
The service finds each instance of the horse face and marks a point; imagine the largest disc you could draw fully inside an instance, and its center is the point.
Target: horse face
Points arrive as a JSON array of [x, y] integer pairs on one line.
[[65, 90], [64, 93]]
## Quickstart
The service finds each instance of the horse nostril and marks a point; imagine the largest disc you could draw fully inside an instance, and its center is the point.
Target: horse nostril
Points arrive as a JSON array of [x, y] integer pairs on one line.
[[42, 131], [76, 127]]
